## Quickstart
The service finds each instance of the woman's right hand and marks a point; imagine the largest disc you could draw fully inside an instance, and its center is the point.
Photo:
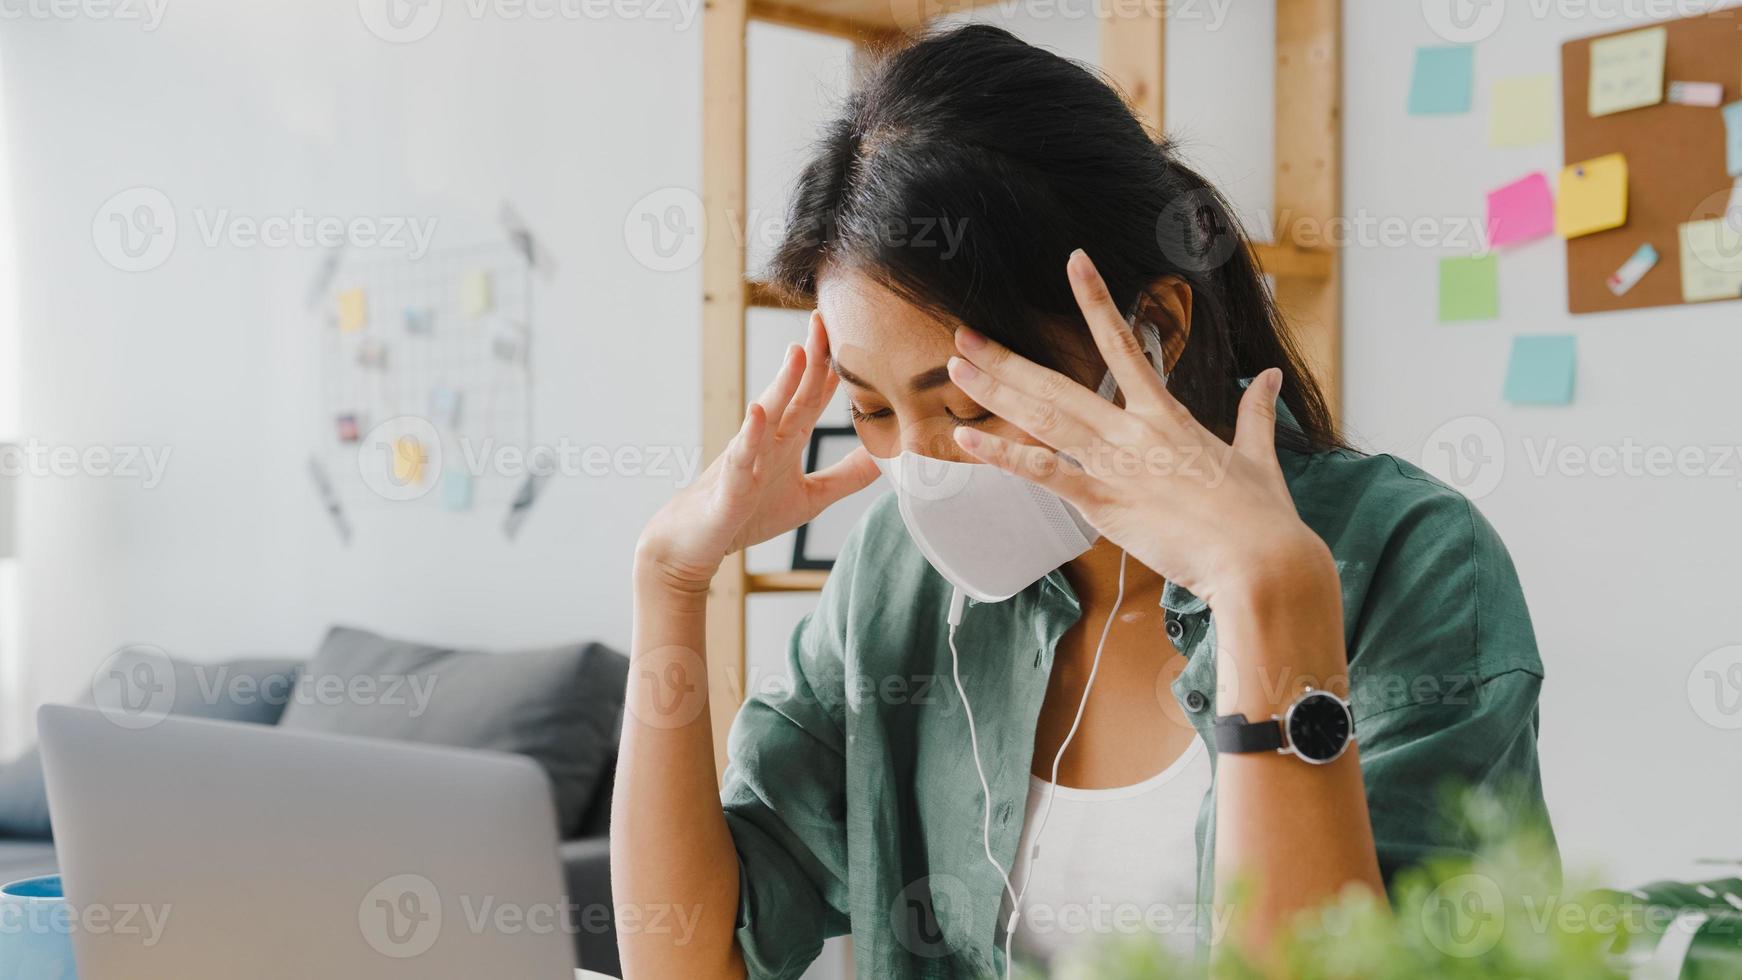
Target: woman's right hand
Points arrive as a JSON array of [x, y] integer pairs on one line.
[[757, 488]]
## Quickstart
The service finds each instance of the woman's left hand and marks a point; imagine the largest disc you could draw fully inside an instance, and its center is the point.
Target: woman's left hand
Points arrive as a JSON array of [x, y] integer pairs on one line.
[[1211, 516]]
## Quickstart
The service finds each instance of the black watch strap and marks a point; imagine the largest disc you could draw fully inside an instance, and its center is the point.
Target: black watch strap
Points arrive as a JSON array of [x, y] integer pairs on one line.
[[1235, 734]]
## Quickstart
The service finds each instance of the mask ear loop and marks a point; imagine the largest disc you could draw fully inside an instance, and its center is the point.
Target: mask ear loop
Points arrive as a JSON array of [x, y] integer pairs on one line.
[[1016, 895]]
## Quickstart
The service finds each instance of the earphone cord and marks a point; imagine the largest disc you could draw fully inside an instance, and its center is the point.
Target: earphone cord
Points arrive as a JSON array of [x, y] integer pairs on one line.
[[1052, 788]]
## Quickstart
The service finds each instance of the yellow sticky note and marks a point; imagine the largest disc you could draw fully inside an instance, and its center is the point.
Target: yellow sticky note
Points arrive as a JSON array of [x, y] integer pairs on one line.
[[409, 460], [1522, 112], [353, 310], [475, 293], [1711, 261], [1627, 71], [1593, 197]]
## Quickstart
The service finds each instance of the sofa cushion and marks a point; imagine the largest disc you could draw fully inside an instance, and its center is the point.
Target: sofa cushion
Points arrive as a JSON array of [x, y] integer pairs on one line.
[[253, 691], [557, 706]]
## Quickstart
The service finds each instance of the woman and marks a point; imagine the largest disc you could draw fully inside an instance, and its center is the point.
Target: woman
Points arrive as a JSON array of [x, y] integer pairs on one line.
[[957, 783]]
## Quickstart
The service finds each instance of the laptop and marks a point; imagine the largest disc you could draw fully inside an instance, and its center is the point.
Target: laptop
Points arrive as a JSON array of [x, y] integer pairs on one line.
[[204, 850]]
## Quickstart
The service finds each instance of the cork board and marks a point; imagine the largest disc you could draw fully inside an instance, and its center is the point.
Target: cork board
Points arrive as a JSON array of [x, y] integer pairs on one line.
[[1675, 159]]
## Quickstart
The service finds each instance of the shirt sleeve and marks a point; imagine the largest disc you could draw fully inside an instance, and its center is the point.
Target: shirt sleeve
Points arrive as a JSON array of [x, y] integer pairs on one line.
[[785, 796], [1444, 678]]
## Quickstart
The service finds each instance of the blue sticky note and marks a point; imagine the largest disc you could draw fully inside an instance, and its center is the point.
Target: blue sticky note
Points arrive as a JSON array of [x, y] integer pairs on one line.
[[457, 490], [1733, 137], [1542, 370], [1443, 82]]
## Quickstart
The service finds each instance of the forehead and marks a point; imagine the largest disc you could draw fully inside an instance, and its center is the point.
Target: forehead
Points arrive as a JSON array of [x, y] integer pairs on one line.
[[873, 330]]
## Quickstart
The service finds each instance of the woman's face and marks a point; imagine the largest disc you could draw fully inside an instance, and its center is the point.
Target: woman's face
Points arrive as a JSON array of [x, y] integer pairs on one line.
[[891, 357]]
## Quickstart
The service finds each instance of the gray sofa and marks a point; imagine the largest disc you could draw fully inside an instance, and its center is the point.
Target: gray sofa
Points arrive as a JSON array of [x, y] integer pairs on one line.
[[560, 706]]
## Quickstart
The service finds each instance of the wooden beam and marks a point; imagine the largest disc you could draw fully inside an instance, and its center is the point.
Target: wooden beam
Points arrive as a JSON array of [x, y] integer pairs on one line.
[[1134, 55], [809, 18], [724, 155], [798, 580], [1309, 175], [1289, 261]]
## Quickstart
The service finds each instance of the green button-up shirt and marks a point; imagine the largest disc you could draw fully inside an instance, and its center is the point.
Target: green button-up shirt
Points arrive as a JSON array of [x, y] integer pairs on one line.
[[852, 796]]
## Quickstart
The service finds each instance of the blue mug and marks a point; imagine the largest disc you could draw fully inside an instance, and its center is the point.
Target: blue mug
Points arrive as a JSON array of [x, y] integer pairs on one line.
[[36, 936]]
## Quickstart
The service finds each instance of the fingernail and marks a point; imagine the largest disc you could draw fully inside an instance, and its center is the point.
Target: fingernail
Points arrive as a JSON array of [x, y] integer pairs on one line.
[[1082, 268], [967, 338], [967, 438], [1274, 381], [962, 370]]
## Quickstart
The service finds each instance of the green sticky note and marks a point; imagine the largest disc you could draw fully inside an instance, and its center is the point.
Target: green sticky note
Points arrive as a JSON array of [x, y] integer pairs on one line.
[[1469, 288], [1542, 370], [1443, 80]]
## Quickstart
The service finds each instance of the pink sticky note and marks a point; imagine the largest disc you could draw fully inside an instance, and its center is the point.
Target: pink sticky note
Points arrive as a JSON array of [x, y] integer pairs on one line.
[[1520, 212]]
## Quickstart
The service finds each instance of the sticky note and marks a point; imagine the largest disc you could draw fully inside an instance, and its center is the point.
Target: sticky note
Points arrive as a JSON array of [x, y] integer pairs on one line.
[[1443, 79], [1707, 95], [444, 406], [409, 460], [1542, 369], [456, 490], [475, 293], [1469, 288], [1523, 111], [1593, 197], [1711, 254], [353, 310], [1520, 212], [348, 427], [1733, 138], [1627, 71], [419, 319], [1634, 269], [372, 354]]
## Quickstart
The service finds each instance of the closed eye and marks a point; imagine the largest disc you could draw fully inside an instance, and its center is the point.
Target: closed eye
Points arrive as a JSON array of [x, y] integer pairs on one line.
[[980, 419]]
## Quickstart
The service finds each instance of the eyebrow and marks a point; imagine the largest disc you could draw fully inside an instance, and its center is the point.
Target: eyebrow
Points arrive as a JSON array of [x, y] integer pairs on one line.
[[922, 382]]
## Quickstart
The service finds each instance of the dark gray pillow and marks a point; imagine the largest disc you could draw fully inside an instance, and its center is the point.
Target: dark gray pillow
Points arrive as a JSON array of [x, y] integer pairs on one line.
[[557, 706], [253, 691]]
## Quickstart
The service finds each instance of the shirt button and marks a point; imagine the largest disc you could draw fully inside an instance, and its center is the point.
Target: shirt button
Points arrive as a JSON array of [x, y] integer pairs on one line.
[[1195, 701], [1175, 629]]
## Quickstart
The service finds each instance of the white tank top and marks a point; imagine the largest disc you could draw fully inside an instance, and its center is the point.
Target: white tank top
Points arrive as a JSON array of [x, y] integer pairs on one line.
[[1113, 863]]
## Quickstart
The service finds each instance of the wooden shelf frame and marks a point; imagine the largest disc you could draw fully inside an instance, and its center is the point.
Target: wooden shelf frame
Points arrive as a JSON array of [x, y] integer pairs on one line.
[[1308, 186]]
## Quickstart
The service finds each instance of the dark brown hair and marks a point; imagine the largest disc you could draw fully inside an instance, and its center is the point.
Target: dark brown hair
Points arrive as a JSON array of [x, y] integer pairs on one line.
[[1023, 156]]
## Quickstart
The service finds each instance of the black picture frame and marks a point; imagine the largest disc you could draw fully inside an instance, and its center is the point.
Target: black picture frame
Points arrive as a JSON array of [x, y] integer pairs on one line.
[[822, 438]]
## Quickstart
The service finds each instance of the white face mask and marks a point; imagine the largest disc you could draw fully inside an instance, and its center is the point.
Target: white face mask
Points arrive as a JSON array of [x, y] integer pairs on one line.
[[991, 534]]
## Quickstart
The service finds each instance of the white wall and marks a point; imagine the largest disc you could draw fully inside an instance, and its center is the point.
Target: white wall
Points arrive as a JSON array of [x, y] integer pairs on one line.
[[274, 105], [1630, 580]]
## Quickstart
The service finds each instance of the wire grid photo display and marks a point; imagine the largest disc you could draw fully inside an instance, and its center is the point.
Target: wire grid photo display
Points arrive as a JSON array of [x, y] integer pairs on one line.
[[427, 379]]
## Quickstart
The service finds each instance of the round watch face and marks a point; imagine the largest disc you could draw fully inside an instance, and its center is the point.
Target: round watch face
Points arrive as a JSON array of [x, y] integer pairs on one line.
[[1318, 727]]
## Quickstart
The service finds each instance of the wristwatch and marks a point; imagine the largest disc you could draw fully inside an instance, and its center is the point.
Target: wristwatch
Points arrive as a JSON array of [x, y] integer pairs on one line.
[[1318, 727]]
